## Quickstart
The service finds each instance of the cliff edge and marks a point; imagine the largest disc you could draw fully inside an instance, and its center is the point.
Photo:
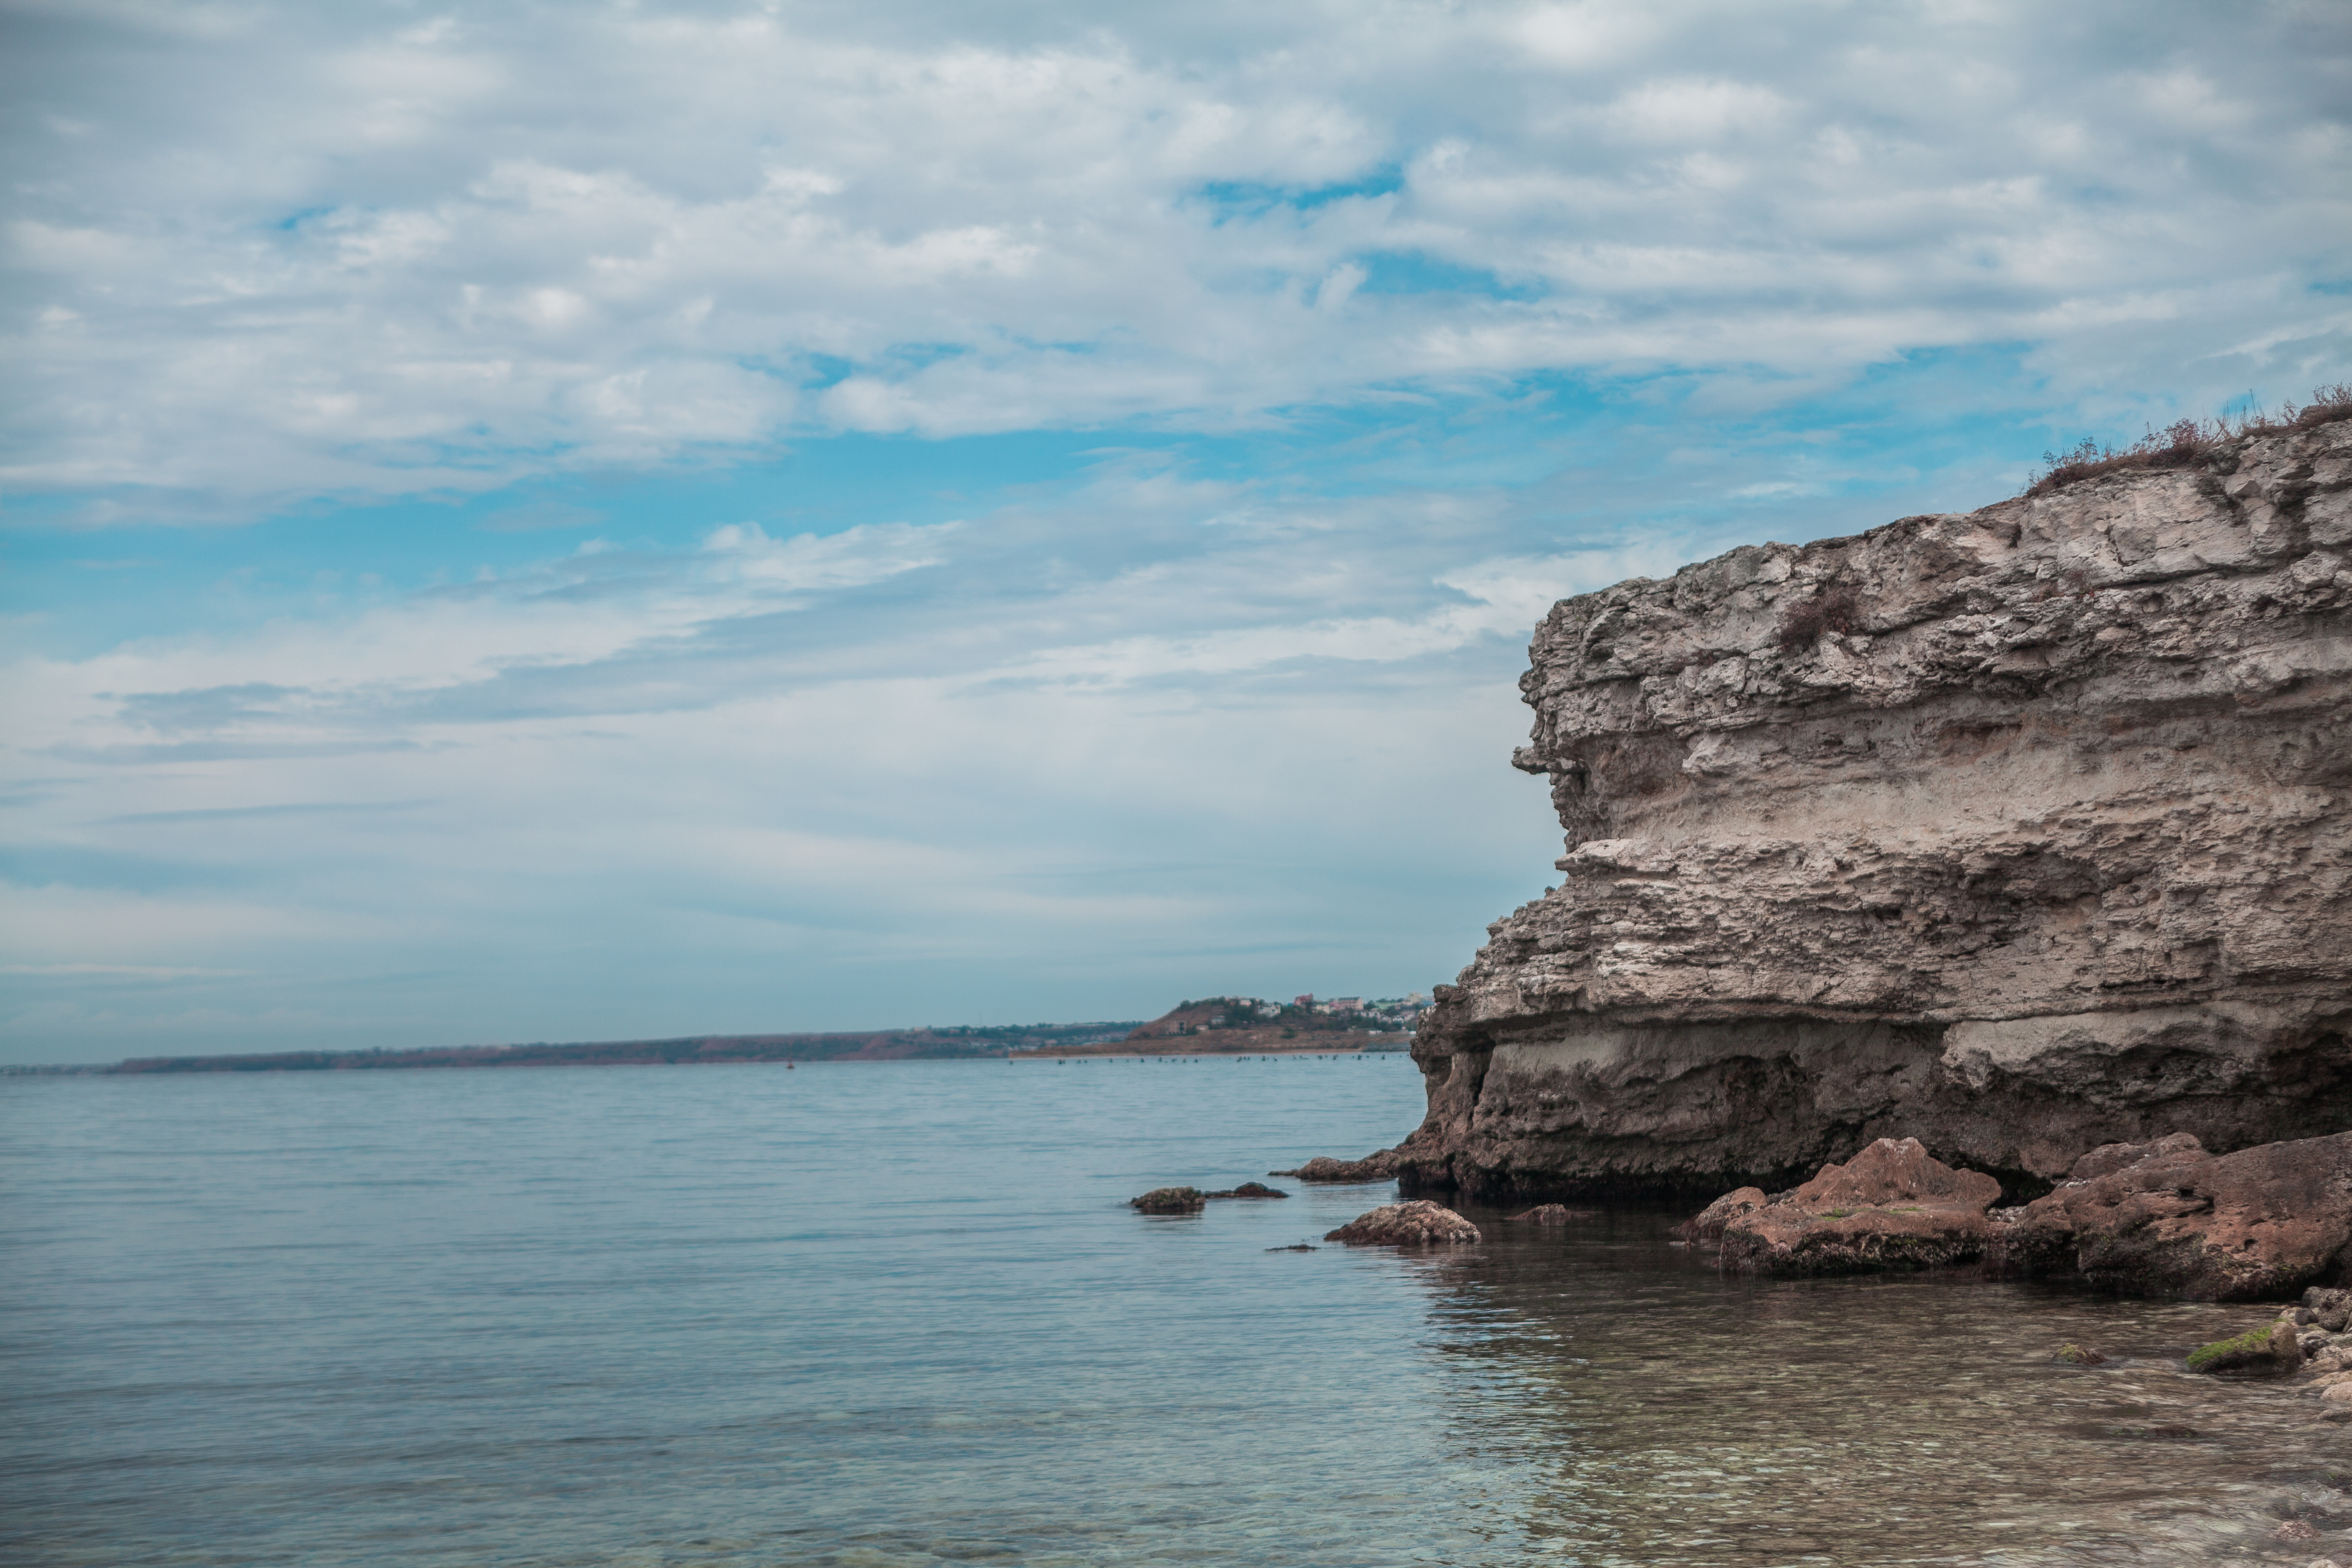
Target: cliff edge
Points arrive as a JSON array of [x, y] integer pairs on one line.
[[2019, 832]]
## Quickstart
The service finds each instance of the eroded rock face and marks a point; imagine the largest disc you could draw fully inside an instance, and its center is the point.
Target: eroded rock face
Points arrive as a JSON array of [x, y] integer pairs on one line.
[[2023, 831], [1891, 1207], [1415, 1223], [2168, 1218]]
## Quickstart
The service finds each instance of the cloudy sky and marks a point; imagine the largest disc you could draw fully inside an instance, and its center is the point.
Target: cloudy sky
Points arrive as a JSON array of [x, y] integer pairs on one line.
[[597, 520]]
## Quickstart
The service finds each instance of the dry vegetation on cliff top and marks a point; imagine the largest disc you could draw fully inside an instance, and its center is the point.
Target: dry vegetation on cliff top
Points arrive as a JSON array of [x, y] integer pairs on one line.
[[2186, 443]]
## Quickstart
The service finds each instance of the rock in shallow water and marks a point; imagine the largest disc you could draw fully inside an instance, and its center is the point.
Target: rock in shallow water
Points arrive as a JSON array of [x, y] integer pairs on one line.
[[2159, 1218], [2168, 1218], [2270, 1348], [1891, 1207], [1417, 1223], [1323, 1168], [1249, 1189], [1170, 1200], [1708, 1225], [1552, 1214]]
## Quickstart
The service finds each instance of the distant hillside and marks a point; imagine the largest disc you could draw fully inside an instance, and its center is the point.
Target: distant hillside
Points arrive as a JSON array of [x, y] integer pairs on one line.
[[1284, 1020], [874, 1045], [1234, 1026]]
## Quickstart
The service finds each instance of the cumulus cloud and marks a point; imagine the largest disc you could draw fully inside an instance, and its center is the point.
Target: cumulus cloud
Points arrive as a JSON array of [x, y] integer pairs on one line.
[[303, 251]]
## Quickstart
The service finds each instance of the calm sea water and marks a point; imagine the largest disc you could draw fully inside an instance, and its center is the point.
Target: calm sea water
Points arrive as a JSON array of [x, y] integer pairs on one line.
[[883, 1314]]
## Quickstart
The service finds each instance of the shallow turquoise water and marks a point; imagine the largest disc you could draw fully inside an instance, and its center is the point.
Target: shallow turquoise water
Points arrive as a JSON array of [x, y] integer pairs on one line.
[[895, 1314]]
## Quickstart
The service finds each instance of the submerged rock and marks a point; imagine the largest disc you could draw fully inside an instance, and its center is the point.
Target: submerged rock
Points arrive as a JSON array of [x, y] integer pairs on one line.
[[2167, 1218], [1416, 1223], [1170, 1200], [1552, 1214], [1891, 1207], [1249, 1189], [2020, 831], [2079, 1355]]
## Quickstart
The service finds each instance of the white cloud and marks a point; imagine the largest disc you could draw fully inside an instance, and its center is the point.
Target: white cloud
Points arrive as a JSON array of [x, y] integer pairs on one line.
[[311, 257], [1481, 305]]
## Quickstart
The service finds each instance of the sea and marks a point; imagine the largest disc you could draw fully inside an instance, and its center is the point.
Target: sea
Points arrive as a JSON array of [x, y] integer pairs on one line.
[[890, 1314]]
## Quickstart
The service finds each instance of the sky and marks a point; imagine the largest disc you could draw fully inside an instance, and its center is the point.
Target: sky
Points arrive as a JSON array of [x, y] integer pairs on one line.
[[602, 520]]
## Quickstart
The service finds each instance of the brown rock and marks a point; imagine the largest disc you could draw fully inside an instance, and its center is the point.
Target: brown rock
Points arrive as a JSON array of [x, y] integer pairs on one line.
[[1552, 1214], [2020, 831], [2168, 1218], [1708, 1223], [1170, 1200], [1415, 1223], [1891, 1207], [1895, 1172], [1381, 1166], [1249, 1189]]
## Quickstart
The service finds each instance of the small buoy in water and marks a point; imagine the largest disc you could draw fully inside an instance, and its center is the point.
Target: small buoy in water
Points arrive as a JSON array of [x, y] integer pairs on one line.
[[788, 1065]]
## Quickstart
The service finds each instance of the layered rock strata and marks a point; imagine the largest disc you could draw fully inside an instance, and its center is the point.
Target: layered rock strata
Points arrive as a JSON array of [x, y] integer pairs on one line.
[[2021, 830]]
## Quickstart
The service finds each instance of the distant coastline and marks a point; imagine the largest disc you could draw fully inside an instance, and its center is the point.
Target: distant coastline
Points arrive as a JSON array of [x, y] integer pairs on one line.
[[1216, 1026], [863, 1045]]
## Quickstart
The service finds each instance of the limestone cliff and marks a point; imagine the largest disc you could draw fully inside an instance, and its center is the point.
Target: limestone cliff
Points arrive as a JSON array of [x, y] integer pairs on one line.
[[2019, 832]]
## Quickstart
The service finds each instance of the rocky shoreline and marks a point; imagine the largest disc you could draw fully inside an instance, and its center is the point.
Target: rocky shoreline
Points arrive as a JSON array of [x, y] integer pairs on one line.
[[1971, 896], [2117, 1375], [2023, 833], [2019, 832]]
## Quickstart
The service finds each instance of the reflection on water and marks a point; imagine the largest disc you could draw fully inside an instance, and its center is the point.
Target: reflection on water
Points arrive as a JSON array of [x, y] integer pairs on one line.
[[1666, 1414], [897, 1315]]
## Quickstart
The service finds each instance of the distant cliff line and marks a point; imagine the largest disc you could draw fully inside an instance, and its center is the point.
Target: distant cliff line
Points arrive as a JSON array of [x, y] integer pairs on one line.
[[864, 1045]]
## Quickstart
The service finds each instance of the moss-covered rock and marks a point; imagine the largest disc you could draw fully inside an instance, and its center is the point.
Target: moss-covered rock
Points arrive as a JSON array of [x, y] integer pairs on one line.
[[2270, 1348]]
